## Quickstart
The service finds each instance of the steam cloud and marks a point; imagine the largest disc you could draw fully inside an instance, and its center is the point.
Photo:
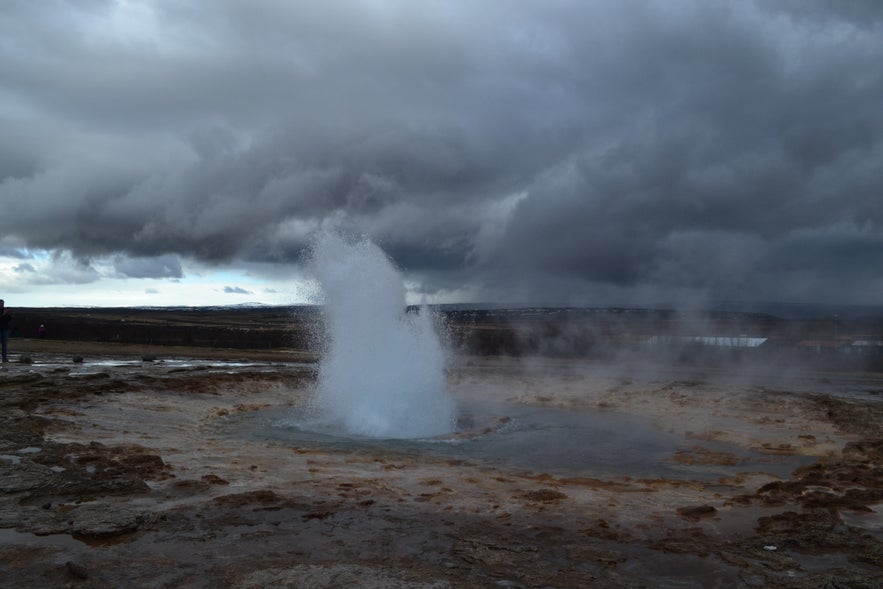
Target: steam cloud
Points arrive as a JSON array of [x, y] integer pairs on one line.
[[383, 371]]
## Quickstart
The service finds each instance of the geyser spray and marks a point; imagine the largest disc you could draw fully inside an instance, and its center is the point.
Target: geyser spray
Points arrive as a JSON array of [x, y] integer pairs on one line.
[[382, 372]]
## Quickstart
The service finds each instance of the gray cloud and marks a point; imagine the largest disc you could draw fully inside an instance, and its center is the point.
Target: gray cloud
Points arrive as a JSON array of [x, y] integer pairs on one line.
[[14, 252], [167, 266], [545, 151], [236, 290], [24, 267]]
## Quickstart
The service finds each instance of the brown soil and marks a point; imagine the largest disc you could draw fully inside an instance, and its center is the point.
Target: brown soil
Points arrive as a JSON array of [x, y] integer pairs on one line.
[[68, 349], [117, 472]]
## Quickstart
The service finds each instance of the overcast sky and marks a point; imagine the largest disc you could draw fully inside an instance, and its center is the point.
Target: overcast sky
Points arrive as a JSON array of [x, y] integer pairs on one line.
[[554, 151]]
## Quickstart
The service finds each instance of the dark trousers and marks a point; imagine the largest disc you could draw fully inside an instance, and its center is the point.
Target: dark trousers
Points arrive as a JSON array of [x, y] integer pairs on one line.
[[4, 338]]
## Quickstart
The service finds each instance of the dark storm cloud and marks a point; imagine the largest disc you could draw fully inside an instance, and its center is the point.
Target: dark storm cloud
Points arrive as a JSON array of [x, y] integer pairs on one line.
[[548, 151]]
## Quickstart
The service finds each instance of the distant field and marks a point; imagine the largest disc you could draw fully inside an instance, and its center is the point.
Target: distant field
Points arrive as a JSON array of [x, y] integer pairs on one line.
[[602, 334]]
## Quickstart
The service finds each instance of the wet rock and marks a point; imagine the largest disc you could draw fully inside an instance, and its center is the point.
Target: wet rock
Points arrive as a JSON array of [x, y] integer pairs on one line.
[[262, 497], [148, 358], [696, 511], [189, 486], [103, 521], [850, 416], [144, 464], [700, 455], [25, 359], [96, 376], [845, 484], [337, 575], [77, 359], [14, 516], [24, 476], [865, 450], [213, 479], [77, 570], [98, 521], [544, 495]]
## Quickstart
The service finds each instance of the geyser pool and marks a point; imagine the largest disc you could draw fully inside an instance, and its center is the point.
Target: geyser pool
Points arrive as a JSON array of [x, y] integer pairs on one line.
[[529, 439], [382, 372]]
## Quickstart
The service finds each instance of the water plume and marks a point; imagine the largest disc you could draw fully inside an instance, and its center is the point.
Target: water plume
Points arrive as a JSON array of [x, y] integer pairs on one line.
[[382, 372]]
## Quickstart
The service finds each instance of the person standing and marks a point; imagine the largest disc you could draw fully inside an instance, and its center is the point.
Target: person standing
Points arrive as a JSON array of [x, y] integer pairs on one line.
[[5, 321]]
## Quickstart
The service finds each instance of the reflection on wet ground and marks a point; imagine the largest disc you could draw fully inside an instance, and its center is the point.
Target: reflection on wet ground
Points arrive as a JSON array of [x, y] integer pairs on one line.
[[55, 363], [64, 541]]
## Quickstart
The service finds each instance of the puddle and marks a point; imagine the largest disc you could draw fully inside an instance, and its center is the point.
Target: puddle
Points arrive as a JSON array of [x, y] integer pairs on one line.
[[814, 563], [871, 521], [63, 541], [89, 366], [678, 571]]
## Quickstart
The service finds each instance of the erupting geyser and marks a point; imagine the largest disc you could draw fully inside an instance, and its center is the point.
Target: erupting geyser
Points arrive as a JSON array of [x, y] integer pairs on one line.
[[383, 370]]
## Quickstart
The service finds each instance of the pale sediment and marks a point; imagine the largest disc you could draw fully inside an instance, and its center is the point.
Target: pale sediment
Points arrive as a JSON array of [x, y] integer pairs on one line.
[[129, 473]]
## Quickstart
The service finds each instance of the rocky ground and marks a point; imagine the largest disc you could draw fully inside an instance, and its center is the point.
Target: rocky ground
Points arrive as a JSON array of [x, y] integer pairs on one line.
[[122, 471]]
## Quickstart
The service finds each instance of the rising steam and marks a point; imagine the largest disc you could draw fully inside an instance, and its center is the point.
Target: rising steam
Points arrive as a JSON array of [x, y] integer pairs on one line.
[[383, 370]]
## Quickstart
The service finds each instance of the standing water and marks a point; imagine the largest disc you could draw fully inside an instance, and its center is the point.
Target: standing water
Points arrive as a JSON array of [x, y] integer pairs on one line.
[[383, 370]]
